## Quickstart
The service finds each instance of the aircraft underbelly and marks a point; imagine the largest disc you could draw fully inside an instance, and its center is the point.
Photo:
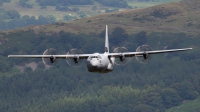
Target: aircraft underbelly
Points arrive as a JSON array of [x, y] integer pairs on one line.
[[99, 67]]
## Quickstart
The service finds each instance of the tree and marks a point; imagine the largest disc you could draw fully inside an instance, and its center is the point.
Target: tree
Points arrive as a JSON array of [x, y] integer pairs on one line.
[[69, 18], [51, 18], [13, 14], [75, 9], [170, 97], [64, 2], [118, 36], [94, 8], [45, 20], [141, 38], [4, 1], [115, 108], [24, 4], [114, 3], [82, 14], [143, 108], [185, 90], [62, 8]]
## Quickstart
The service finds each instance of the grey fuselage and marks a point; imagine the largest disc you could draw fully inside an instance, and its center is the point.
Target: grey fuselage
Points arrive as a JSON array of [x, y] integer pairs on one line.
[[100, 63]]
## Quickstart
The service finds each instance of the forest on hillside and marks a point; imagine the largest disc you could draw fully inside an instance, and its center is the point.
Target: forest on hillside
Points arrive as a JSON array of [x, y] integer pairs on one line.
[[4, 1], [113, 3], [11, 19], [165, 81], [64, 11]]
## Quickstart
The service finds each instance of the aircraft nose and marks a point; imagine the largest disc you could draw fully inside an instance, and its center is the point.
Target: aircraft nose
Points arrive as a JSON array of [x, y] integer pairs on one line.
[[93, 63]]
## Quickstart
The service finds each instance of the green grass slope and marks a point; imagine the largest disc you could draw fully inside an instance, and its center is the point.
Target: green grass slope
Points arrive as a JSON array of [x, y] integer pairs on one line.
[[187, 106]]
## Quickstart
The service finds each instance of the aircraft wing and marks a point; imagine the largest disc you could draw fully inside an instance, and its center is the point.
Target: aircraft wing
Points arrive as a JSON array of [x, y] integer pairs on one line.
[[81, 56], [131, 54], [85, 56]]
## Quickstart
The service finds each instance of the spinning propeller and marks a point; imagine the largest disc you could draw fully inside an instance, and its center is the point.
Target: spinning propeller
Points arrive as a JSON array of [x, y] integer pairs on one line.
[[76, 61], [122, 60], [52, 61], [145, 57]]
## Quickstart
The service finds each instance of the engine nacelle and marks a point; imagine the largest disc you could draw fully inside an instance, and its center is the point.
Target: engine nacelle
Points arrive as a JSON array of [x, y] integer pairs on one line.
[[122, 57], [52, 59], [145, 55], [76, 59]]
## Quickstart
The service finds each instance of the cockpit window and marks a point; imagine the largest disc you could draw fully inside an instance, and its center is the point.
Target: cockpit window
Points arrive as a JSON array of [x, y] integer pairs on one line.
[[95, 57]]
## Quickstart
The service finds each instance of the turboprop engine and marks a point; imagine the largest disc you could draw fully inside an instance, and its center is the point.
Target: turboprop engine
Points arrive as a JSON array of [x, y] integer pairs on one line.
[[50, 61], [145, 57], [122, 59], [76, 61]]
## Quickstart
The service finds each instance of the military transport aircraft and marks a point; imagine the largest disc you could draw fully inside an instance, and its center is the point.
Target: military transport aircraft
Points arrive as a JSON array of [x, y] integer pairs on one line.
[[98, 62]]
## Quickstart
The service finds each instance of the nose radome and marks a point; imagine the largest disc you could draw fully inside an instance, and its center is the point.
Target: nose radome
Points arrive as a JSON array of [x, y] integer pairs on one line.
[[94, 63]]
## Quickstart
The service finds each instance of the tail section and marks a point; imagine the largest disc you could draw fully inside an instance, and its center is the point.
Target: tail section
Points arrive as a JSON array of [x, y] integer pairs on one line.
[[106, 41]]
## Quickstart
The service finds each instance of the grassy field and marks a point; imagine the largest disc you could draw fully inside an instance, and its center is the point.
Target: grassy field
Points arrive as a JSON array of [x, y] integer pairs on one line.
[[87, 9], [35, 11], [180, 18], [144, 4], [187, 106]]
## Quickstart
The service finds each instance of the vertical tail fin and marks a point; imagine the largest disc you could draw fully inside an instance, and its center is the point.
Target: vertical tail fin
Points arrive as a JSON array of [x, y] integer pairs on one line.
[[106, 41]]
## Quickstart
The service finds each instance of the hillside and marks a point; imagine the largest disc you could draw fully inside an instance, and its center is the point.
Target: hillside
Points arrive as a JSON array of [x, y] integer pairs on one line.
[[171, 17], [187, 106], [166, 81], [96, 8], [20, 13]]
